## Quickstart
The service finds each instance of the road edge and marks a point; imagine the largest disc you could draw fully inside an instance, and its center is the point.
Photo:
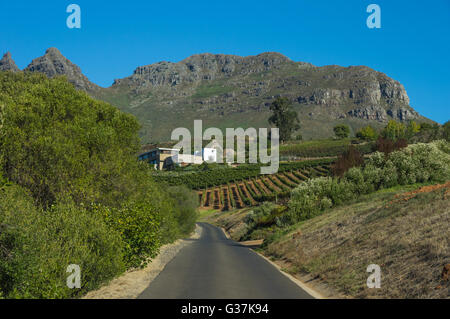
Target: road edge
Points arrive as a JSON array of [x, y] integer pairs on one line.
[[313, 293], [132, 283]]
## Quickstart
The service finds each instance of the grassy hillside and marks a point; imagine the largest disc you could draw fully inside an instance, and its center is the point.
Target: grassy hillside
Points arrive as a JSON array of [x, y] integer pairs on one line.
[[407, 237], [404, 232], [392, 211]]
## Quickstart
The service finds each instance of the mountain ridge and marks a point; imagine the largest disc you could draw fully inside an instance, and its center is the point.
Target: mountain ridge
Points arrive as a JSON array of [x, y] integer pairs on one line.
[[234, 91]]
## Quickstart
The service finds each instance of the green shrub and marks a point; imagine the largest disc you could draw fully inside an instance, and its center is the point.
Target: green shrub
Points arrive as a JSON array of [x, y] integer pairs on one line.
[[37, 247], [185, 208], [138, 226], [58, 141], [263, 215], [417, 163], [341, 131], [78, 194], [367, 133]]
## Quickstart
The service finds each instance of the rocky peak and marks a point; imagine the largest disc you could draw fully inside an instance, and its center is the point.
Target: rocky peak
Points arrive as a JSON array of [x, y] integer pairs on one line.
[[200, 67], [8, 64], [53, 63]]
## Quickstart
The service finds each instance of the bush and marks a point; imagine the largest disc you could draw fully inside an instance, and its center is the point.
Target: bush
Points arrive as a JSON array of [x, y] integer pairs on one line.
[[350, 158], [37, 246], [367, 133], [185, 208], [263, 216], [138, 226], [58, 141], [341, 131], [416, 163], [394, 130], [80, 195], [387, 145]]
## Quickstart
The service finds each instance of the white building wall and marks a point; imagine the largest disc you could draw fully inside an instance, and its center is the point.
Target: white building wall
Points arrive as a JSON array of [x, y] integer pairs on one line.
[[210, 155]]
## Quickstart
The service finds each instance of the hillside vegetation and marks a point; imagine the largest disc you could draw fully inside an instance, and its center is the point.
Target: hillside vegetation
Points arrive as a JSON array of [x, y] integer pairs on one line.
[[72, 191], [389, 212]]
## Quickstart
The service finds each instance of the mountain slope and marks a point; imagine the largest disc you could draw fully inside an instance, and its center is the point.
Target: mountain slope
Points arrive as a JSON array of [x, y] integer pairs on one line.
[[233, 91], [53, 63]]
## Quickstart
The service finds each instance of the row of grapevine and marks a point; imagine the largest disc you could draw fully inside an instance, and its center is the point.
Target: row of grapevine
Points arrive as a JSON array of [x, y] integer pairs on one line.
[[251, 191], [210, 178]]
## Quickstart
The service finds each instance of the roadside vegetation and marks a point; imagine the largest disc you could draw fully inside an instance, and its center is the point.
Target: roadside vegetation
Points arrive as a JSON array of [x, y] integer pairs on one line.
[[390, 208], [73, 192]]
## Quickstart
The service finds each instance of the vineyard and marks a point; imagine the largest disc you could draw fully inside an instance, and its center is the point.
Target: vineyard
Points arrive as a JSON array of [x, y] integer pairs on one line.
[[255, 189], [225, 175]]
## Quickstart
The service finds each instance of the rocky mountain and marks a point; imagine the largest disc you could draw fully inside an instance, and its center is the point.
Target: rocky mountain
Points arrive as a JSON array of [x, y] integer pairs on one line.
[[233, 91], [53, 63], [8, 64]]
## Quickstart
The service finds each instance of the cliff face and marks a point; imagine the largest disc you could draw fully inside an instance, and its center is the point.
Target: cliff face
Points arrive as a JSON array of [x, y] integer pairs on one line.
[[201, 67], [8, 64], [234, 91], [53, 63]]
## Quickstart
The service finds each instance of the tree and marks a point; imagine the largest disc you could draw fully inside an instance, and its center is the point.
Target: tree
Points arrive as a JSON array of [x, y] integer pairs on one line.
[[412, 129], [284, 117], [446, 128], [350, 158], [367, 133], [341, 131], [394, 130], [425, 126]]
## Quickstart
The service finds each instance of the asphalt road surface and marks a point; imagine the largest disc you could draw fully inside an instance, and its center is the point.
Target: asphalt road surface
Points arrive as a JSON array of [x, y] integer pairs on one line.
[[214, 267]]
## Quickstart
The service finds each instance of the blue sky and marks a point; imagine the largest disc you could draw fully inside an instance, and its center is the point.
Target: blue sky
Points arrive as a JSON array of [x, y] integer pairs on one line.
[[413, 45]]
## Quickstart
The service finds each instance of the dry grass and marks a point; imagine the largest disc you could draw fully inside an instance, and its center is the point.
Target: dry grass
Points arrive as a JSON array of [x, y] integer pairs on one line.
[[409, 239]]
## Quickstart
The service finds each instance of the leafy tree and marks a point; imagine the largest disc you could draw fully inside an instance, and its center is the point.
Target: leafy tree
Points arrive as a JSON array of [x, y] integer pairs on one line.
[[394, 130], [446, 130], [350, 158], [387, 146], [412, 129], [367, 133], [425, 126], [74, 155], [341, 131], [284, 117]]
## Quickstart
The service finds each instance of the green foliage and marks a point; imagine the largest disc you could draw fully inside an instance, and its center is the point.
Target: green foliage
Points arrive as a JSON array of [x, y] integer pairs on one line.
[[321, 148], [341, 131], [264, 215], [394, 130], [73, 191], [224, 175], [416, 163], [425, 126], [284, 117], [367, 133], [138, 225], [36, 247], [350, 158], [412, 128], [446, 131], [58, 141], [185, 208]]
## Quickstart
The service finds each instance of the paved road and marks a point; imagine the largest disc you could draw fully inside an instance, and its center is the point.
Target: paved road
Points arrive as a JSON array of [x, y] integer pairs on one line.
[[214, 267]]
